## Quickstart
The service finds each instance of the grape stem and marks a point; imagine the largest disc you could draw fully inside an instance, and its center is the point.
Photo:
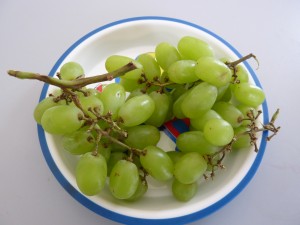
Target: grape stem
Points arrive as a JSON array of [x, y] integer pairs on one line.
[[244, 58], [232, 66], [112, 139], [74, 84], [156, 82]]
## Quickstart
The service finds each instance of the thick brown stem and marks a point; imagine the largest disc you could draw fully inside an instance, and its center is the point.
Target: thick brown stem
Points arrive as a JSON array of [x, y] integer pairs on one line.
[[74, 84]]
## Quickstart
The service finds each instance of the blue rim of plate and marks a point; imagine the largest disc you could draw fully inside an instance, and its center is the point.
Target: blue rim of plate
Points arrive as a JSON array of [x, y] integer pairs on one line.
[[133, 220]]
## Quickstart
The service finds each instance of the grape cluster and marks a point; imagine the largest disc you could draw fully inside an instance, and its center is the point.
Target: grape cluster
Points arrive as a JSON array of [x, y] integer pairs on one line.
[[116, 131]]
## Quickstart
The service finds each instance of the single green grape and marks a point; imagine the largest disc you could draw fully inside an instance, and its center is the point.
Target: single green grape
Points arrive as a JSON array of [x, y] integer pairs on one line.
[[140, 191], [113, 159], [62, 119], [91, 172], [113, 97], [162, 104], [229, 113], [130, 85], [194, 48], [218, 132], [115, 62], [249, 94], [190, 167], [184, 192], [199, 100], [157, 163], [104, 150], [79, 142], [194, 141], [142, 136], [224, 93], [166, 54], [177, 110], [182, 71], [71, 71], [123, 179], [243, 139], [177, 91], [150, 66], [136, 110], [213, 71]]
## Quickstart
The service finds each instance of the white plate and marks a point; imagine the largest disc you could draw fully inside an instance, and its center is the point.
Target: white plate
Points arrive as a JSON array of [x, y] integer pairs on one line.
[[131, 37]]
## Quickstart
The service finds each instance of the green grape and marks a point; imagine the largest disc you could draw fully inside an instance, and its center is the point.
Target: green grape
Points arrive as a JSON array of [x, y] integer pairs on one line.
[[140, 191], [113, 159], [104, 150], [246, 109], [62, 119], [194, 48], [194, 141], [190, 167], [91, 172], [184, 192], [199, 100], [136, 110], [175, 155], [135, 92], [213, 71], [115, 62], [182, 71], [170, 114], [178, 90], [177, 110], [242, 77], [249, 94], [134, 74], [79, 142], [157, 163], [162, 104], [113, 97], [166, 54], [93, 103], [222, 91], [42, 106], [130, 85], [142, 136], [150, 66], [123, 179], [199, 122], [229, 113], [71, 71], [218, 132], [243, 140]]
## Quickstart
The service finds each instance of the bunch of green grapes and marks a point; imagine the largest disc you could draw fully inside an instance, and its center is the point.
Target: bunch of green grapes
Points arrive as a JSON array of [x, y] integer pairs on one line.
[[116, 131]]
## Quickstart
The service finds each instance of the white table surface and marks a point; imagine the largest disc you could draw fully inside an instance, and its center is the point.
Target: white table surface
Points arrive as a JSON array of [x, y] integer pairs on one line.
[[34, 34]]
